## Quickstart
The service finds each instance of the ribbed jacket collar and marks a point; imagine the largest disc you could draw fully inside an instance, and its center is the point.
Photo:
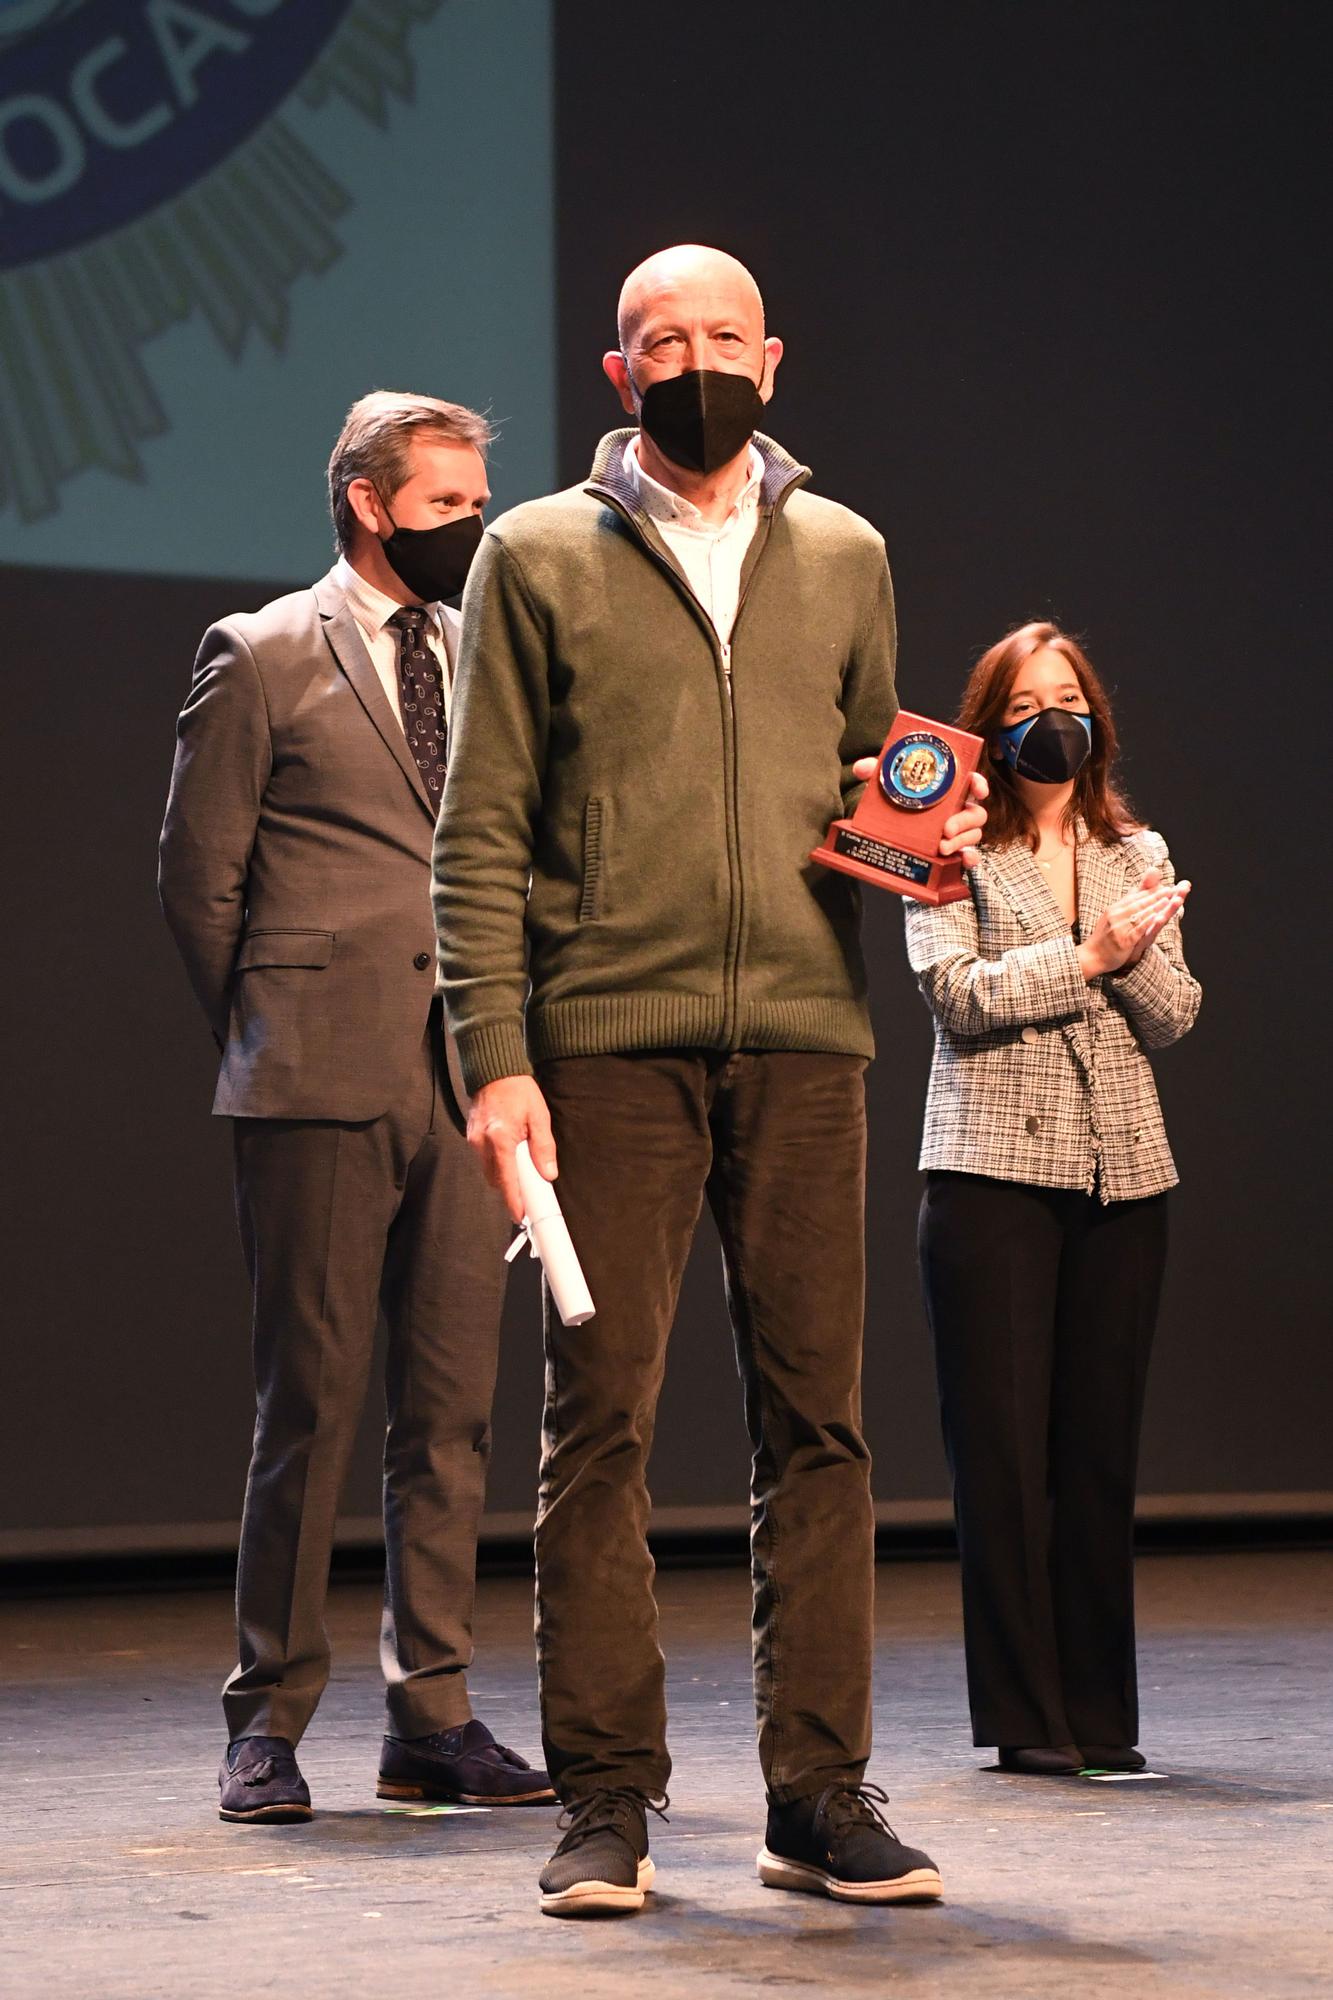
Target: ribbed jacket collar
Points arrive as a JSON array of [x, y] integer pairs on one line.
[[782, 473]]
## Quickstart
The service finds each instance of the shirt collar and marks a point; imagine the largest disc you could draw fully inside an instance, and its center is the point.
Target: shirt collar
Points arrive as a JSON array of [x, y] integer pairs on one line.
[[371, 608], [664, 505]]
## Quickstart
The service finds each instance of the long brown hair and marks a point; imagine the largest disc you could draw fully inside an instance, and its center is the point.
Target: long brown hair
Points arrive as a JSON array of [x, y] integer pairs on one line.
[[1096, 798]]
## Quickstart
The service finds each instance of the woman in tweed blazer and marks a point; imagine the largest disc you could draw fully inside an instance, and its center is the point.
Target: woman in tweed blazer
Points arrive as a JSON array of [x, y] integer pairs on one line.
[[1043, 1224]]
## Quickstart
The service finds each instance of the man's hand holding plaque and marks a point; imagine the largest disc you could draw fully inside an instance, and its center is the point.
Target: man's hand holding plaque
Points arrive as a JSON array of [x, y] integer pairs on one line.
[[916, 826]]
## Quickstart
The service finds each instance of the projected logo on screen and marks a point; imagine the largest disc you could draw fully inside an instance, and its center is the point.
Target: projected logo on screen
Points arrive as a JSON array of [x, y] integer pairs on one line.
[[145, 175]]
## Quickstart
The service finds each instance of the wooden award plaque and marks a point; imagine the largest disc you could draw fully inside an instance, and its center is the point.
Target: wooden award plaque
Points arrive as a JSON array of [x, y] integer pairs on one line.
[[893, 837]]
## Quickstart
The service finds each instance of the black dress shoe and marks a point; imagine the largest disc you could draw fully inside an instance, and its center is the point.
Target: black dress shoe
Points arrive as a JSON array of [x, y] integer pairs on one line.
[[839, 1844], [261, 1781], [1113, 1757], [1053, 1760], [466, 1766]]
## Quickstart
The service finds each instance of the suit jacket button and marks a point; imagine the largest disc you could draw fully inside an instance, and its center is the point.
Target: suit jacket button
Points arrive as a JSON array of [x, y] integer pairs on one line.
[[1030, 1035], [1031, 1126], [421, 961]]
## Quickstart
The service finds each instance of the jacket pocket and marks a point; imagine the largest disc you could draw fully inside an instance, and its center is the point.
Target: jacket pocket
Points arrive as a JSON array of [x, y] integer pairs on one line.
[[310, 948], [592, 900]]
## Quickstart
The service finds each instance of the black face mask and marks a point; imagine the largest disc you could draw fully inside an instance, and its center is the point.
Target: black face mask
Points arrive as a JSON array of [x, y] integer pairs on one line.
[[433, 562], [701, 419], [1050, 747]]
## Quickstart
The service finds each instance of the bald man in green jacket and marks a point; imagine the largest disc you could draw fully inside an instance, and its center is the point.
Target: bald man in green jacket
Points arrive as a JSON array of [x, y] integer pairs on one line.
[[671, 679]]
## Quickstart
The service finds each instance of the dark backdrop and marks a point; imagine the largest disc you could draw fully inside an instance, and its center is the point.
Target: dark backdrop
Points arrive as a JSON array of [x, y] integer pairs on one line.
[[1046, 277], [1048, 282]]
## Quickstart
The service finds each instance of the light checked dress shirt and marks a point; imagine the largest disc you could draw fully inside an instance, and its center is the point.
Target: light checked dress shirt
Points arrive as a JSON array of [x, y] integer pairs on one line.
[[710, 553]]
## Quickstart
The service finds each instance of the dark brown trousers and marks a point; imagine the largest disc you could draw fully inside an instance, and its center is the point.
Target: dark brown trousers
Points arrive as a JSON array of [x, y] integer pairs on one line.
[[776, 1142], [340, 1221]]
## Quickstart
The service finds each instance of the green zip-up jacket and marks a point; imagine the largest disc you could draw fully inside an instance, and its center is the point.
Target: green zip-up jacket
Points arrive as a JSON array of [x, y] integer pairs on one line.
[[622, 859]]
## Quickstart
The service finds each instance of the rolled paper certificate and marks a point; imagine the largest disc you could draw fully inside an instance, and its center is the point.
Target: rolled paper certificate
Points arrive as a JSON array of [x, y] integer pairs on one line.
[[546, 1231]]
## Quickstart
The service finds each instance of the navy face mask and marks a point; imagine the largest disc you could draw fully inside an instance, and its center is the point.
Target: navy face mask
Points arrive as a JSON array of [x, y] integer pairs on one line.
[[701, 419], [1050, 747]]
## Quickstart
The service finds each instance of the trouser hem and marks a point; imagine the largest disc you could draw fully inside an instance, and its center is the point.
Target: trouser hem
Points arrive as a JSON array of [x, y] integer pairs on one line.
[[406, 1719], [268, 1720], [811, 1786], [652, 1784]]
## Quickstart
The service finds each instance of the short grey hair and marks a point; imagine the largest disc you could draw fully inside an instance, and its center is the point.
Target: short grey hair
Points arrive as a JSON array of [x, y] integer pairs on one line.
[[375, 441]]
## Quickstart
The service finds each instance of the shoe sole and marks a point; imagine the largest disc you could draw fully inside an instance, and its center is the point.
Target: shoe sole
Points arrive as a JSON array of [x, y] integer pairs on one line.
[[268, 1815], [384, 1790], [1017, 1771], [600, 1899], [919, 1885]]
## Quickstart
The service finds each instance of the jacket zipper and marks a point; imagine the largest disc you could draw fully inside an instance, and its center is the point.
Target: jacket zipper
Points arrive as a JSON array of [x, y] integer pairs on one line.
[[722, 655], [736, 941]]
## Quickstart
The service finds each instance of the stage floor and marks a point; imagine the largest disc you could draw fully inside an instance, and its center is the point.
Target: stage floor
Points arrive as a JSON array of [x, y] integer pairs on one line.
[[119, 1880]]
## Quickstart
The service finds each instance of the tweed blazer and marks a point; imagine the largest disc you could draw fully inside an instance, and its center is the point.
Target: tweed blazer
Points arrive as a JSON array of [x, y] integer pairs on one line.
[[295, 864], [1039, 1075]]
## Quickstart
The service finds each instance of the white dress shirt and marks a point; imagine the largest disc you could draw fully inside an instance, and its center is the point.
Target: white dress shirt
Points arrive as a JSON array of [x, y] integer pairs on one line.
[[710, 553], [372, 611]]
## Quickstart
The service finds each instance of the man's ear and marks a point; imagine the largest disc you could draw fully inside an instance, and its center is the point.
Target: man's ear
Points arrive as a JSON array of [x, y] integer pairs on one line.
[[772, 356], [616, 370], [365, 504]]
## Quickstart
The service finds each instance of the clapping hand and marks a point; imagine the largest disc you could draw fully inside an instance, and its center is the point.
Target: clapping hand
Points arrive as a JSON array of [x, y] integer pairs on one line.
[[1129, 927]]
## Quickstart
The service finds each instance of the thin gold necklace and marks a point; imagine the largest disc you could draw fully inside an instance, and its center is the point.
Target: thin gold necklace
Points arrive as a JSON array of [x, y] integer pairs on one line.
[[1065, 841]]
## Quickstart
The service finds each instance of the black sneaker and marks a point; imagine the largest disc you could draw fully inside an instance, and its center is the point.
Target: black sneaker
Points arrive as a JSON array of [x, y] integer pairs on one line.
[[840, 1844], [465, 1765], [261, 1781], [601, 1867]]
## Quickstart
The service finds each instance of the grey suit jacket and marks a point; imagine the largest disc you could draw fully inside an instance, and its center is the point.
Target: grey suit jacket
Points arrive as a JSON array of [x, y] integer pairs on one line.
[[295, 865], [1039, 1075]]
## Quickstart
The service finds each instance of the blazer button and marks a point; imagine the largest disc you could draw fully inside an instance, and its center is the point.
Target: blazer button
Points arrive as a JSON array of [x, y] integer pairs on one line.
[[1032, 1126], [421, 961], [1030, 1035]]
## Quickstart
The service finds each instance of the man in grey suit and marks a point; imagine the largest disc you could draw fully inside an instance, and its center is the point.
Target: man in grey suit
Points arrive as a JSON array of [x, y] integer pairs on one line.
[[295, 875]]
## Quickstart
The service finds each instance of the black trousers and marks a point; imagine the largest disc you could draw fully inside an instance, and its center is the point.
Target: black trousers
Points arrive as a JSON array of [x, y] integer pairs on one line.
[[775, 1143], [340, 1221], [1042, 1304]]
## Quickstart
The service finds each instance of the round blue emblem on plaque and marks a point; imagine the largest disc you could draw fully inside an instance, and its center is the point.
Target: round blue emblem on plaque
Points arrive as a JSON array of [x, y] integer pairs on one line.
[[917, 771]]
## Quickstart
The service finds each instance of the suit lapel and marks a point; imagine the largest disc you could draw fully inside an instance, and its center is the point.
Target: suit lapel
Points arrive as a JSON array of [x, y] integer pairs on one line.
[[1019, 880], [1101, 881], [349, 649], [1016, 874]]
